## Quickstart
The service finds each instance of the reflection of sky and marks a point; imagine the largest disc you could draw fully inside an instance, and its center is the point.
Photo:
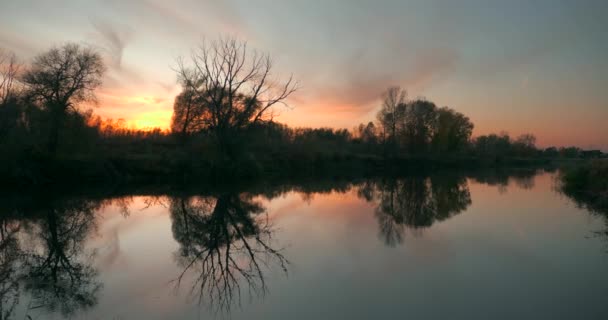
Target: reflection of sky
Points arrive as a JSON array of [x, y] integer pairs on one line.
[[513, 252], [519, 65]]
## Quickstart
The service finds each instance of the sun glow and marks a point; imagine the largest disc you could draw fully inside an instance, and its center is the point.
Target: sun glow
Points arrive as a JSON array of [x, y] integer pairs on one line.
[[151, 120], [140, 112]]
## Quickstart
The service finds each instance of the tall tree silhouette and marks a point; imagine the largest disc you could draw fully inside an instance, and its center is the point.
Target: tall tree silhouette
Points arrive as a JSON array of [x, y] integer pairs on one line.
[[392, 116], [226, 242], [60, 79], [228, 87], [9, 68], [10, 111]]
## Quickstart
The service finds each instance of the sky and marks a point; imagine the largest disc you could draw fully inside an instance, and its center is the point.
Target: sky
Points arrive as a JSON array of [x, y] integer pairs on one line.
[[518, 66]]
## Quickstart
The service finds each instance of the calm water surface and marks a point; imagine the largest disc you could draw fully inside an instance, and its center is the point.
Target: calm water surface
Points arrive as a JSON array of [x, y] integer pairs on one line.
[[449, 246]]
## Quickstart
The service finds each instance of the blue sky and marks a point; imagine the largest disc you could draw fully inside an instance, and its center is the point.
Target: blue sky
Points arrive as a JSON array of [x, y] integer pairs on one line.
[[517, 66]]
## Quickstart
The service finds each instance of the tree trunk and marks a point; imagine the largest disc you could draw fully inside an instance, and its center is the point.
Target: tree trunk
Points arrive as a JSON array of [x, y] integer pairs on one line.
[[56, 119]]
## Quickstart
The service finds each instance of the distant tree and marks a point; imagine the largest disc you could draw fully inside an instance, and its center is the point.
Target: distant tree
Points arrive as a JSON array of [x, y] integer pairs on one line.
[[551, 152], [367, 133], [60, 79], [525, 145], [391, 115], [570, 152], [453, 131], [421, 122], [493, 145], [10, 109], [232, 88], [9, 68]]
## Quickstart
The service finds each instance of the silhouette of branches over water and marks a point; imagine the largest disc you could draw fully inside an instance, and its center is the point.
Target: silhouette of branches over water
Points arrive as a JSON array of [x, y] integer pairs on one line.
[[587, 186], [9, 255], [226, 243], [59, 274], [47, 258]]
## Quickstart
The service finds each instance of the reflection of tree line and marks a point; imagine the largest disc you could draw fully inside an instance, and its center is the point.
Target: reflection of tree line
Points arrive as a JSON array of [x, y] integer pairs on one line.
[[225, 241], [587, 186], [414, 203], [523, 178], [225, 244]]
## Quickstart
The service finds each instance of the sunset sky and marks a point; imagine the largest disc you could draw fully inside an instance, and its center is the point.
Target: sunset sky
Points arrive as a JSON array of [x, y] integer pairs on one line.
[[518, 66]]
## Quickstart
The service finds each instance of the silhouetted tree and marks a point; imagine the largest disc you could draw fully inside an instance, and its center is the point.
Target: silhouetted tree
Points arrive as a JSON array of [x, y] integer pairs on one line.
[[225, 241], [187, 117], [421, 123], [230, 88], [60, 79], [367, 135], [9, 68], [525, 145], [452, 132], [10, 110], [551, 152], [392, 116], [570, 152], [493, 145]]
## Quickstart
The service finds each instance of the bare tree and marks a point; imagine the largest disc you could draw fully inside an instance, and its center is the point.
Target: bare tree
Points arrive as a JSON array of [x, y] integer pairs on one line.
[[392, 113], [10, 109], [231, 87], [60, 79], [9, 67]]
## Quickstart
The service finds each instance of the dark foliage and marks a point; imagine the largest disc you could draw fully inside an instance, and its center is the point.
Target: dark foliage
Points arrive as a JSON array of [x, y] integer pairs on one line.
[[223, 129]]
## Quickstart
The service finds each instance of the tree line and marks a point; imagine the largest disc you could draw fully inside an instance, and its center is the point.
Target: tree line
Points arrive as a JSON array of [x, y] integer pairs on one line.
[[225, 115]]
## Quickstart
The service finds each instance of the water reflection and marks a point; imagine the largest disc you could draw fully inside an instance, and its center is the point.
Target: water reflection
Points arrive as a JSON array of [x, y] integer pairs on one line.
[[523, 178], [9, 254], [58, 272], [594, 205], [48, 261], [226, 241], [414, 203], [226, 247]]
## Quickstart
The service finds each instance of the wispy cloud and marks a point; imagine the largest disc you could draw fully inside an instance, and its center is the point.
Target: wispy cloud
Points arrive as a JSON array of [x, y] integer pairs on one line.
[[112, 39]]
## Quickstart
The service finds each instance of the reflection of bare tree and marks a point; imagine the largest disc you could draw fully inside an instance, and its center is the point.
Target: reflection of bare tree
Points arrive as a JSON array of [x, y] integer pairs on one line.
[[58, 273], [415, 203], [9, 255], [227, 242]]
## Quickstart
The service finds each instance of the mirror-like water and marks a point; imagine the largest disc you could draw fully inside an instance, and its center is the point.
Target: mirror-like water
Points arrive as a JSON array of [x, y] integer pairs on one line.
[[444, 246]]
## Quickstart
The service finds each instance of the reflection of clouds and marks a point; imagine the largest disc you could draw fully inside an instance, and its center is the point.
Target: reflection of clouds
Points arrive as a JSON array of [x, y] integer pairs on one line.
[[117, 223]]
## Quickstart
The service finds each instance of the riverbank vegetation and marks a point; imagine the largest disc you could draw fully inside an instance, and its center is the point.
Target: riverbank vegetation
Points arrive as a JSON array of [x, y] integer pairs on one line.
[[224, 127], [587, 184]]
